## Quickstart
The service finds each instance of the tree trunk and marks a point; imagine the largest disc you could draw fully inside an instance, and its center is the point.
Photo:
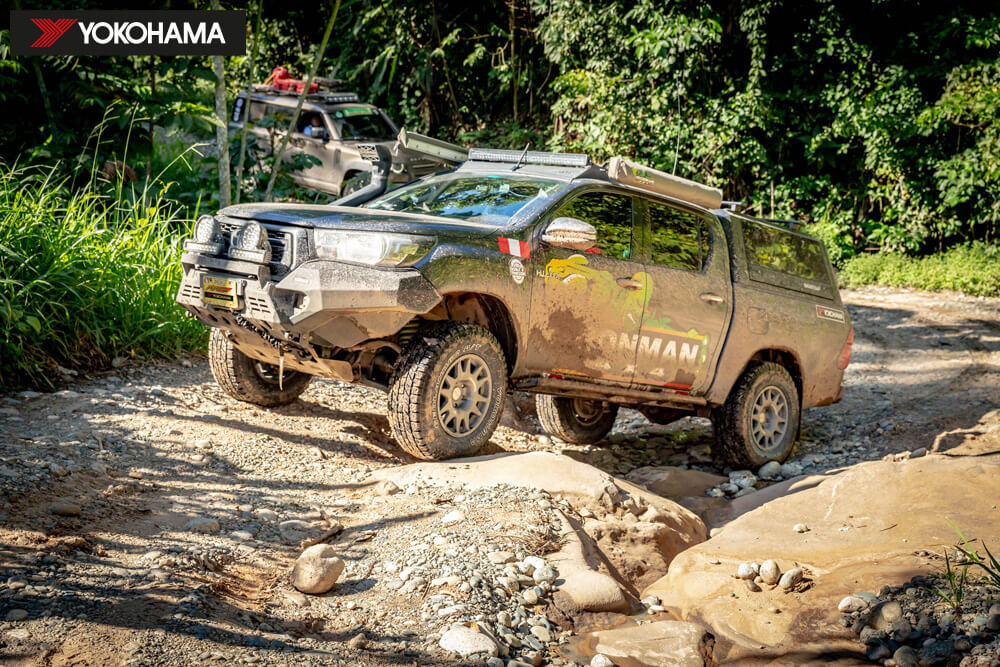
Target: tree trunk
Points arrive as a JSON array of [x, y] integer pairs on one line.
[[222, 130], [246, 106], [298, 108]]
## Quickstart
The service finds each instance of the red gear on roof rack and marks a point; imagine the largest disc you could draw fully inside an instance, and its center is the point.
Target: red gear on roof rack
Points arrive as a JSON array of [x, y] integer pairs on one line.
[[281, 79]]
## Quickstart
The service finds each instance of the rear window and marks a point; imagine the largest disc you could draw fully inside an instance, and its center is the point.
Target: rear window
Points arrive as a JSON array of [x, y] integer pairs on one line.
[[785, 259]]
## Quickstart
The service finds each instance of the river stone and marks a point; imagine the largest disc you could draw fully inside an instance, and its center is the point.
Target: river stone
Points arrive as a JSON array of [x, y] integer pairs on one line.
[[790, 578], [885, 614], [317, 569], [770, 572], [851, 604], [770, 471], [202, 525], [906, 656], [601, 660], [66, 509], [466, 641]]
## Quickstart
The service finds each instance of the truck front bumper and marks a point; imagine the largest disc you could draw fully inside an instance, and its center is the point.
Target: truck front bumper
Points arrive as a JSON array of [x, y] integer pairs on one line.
[[320, 303]]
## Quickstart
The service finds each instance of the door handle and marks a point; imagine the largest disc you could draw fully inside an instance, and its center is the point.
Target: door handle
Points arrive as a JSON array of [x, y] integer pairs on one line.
[[629, 283], [710, 298]]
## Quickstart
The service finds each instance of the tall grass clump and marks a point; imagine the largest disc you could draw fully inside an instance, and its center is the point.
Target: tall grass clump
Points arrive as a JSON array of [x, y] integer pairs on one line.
[[973, 269], [86, 274]]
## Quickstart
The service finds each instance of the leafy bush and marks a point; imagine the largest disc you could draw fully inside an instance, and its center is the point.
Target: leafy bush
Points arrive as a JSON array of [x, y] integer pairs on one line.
[[86, 275], [973, 269]]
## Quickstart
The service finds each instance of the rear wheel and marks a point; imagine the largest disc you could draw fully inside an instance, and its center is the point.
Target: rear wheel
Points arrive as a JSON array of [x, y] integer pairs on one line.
[[577, 420], [760, 420], [249, 380], [447, 391]]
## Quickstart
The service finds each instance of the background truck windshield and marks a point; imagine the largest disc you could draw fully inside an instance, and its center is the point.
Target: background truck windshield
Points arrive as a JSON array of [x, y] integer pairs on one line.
[[360, 124], [483, 198]]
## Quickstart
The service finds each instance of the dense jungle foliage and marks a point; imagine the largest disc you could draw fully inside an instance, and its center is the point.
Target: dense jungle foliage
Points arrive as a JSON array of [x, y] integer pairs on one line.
[[875, 121]]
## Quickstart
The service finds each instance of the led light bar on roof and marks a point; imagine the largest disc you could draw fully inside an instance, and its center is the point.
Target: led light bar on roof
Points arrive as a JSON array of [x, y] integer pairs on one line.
[[531, 157], [337, 98]]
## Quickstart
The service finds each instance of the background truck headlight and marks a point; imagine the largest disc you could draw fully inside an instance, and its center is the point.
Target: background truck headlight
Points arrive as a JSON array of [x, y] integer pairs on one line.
[[371, 248]]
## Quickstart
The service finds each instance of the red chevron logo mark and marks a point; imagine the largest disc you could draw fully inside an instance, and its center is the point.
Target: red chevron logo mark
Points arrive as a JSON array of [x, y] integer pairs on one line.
[[52, 30]]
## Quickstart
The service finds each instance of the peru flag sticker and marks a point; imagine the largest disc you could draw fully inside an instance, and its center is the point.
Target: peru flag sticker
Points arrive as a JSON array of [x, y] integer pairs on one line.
[[514, 247]]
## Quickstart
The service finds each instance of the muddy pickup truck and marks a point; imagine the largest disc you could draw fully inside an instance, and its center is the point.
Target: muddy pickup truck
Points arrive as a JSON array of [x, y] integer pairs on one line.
[[594, 287]]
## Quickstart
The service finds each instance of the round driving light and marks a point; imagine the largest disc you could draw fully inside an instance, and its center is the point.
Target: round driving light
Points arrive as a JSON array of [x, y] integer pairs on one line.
[[207, 230], [250, 243]]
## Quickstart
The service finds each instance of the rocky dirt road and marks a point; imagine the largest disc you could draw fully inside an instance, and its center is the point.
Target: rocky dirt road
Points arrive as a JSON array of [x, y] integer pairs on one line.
[[146, 518]]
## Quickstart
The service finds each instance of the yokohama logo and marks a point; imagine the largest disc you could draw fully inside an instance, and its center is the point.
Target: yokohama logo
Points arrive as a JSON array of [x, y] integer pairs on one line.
[[51, 31], [128, 33]]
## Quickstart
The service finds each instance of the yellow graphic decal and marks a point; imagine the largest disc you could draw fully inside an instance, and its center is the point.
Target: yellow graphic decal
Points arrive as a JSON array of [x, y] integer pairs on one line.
[[658, 344]]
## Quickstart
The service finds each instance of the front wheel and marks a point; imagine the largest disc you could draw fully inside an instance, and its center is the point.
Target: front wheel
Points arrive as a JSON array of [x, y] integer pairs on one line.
[[578, 420], [249, 380], [357, 181], [447, 391], [760, 420]]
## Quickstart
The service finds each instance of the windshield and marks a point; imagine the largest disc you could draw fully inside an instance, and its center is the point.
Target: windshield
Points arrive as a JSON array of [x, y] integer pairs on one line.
[[360, 124], [490, 198]]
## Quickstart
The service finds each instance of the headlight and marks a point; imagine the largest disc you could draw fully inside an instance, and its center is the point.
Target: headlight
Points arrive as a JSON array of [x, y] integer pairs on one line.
[[371, 248]]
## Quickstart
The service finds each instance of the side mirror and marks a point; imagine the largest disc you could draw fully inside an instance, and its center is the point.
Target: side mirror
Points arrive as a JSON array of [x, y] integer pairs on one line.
[[570, 233]]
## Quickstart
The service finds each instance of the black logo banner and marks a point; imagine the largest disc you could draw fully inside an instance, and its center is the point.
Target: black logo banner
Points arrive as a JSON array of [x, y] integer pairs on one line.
[[128, 33]]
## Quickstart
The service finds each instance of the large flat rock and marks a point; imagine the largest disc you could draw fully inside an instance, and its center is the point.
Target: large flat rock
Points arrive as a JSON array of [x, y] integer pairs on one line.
[[865, 525], [657, 644], [638, 532]]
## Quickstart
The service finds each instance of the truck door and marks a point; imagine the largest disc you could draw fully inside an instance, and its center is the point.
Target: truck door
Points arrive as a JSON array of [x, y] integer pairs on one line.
[[586, 306], [690, 298]]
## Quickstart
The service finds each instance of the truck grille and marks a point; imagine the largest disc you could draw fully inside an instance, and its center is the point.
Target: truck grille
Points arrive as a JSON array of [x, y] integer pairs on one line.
[[280, 257]]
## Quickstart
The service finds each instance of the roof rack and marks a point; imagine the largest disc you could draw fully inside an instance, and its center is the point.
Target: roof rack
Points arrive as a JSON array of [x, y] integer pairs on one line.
[[529, 157], [646, 178], [430, 147], [327, 98]]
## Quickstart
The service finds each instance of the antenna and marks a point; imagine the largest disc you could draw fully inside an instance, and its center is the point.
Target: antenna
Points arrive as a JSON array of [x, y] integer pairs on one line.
[[523, 155], [677, 145]]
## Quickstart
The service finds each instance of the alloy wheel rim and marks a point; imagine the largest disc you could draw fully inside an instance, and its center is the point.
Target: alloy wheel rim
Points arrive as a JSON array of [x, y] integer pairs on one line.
[[464, 395], [769, 418]]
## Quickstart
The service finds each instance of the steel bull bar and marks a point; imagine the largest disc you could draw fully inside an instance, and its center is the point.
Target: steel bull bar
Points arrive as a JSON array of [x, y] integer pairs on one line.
[[315, 309]]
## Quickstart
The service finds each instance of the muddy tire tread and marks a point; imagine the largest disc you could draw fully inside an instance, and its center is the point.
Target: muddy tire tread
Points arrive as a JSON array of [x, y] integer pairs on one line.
[[413, 374], [555, 414], [728, 423], [235, 374]]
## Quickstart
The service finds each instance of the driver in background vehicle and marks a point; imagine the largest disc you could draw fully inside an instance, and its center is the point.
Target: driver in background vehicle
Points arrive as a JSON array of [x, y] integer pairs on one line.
[[315, 128]]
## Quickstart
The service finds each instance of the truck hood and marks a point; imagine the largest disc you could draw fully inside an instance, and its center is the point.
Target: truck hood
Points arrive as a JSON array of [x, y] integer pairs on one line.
[[351, 217]]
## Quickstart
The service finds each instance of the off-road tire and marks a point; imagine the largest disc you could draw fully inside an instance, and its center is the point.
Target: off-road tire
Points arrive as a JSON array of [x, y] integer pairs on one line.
[[417, 380], [238, 375], [559, 418], [732, 422], [357, 181]]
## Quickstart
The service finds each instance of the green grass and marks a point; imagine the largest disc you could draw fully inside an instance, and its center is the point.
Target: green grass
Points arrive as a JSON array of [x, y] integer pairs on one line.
[[973, 269], [86, 274]]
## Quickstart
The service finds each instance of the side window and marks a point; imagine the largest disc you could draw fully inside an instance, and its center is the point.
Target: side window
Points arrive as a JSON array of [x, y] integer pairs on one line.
[[679, 238], [610, 214], [770, 248]]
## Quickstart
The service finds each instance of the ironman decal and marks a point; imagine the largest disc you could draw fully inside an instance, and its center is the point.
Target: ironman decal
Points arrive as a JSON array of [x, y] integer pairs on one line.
[[514, 247]]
